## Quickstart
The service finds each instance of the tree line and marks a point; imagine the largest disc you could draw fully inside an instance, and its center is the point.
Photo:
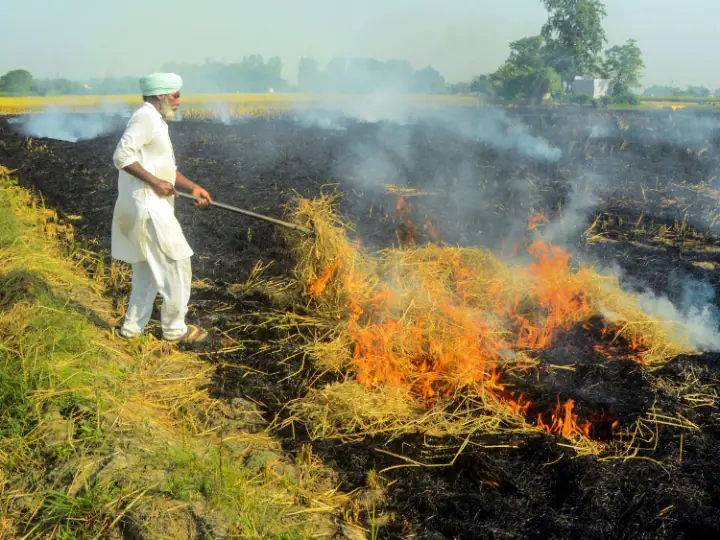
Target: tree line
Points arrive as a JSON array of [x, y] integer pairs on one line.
[[20, 82], [253, 74], [688, 91]]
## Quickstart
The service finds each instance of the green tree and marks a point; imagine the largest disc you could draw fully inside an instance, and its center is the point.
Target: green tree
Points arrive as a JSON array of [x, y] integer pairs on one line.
[[18, 82], [525, 76], [659, 91], [698, 91], [459, 88], [484, 85], [529, 51], [574, 36], [622, 65], [427, 81]]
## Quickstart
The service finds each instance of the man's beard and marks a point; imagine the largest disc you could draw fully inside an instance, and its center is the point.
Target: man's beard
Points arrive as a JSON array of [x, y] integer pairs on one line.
[[166, 110]]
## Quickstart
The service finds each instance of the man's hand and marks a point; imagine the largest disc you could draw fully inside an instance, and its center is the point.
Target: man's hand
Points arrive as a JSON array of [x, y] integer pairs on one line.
[[160, 187], [203, 195], [163, 188]]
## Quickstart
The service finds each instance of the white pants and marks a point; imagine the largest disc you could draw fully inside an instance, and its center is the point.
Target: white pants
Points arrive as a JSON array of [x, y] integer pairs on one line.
[[158, 274]]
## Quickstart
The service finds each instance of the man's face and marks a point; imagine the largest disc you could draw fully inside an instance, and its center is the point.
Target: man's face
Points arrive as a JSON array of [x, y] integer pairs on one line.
[[169, 103]]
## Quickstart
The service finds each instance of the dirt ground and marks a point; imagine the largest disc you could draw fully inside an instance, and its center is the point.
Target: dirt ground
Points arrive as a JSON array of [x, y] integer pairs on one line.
[[630, 192]]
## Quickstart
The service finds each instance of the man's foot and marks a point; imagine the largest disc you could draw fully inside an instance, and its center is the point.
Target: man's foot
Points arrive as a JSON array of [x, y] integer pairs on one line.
[[123, 334], [194, 334]]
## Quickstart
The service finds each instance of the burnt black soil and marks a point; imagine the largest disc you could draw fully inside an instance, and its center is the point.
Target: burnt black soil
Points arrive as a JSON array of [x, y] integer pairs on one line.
[[647, 177]]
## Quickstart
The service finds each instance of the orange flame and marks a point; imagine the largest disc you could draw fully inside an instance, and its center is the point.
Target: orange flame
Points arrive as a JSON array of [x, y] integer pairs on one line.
[[316, 288], [437, 356], [401, 204], [442, 335], [535, 220], [564, 421]]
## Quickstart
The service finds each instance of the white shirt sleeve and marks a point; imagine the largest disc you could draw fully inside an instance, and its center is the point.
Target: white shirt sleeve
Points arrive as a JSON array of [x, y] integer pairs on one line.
[[137, 134]]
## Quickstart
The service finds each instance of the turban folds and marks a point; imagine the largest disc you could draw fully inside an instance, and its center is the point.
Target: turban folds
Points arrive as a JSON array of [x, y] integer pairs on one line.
[[158, 84]]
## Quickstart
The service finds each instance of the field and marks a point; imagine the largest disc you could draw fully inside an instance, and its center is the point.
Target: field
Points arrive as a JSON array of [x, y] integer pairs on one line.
[[235, 105], [193, 105], [505, 326]]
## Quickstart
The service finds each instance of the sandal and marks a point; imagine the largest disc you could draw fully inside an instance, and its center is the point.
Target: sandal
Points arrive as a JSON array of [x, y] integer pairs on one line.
[[194, 334], [118, 332]]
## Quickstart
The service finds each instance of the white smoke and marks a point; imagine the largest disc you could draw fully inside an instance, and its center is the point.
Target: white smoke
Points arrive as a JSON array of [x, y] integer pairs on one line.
[[601, 128], [691, 129], [694, 310], [492, 127], [65, 125], [573, 219], [323, 119], [221, 112], [495, 128], [701, 321]]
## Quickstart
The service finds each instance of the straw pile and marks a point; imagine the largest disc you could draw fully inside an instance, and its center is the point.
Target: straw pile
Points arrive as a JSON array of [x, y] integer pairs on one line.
[[424, 328]]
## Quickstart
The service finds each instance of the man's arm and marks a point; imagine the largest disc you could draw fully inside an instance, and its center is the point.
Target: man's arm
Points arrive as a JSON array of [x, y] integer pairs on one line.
[[161, 187], [197, 191], [127, 156]]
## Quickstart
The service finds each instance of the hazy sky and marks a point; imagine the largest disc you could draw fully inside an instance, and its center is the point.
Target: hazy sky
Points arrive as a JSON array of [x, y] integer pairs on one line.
[[460, 38]]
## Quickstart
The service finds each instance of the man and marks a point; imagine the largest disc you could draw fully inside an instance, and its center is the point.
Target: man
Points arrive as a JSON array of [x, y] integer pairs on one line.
[[145, 232]]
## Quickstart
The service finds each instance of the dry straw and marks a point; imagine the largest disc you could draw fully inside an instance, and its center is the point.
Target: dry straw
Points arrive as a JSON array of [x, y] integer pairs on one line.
[[423, 335]]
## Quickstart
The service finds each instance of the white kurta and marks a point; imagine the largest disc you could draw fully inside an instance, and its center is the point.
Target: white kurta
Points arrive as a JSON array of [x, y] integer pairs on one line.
[[145, 232], [146, 140]]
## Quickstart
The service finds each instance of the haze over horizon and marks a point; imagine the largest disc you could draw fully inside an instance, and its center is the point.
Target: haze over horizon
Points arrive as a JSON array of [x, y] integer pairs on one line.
[[80, 39]]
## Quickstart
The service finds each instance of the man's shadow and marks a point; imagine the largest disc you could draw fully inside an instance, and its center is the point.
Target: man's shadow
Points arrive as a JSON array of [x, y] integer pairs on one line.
[[22, 284]]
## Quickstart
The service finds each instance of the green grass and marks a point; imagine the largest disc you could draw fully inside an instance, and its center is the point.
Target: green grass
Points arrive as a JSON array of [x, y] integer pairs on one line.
[[60, 380], [228, 489]]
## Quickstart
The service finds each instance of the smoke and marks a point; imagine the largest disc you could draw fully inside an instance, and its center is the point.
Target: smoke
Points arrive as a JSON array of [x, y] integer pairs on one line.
[[379, 106], [696, 311], [492, 127], [601, 128], [690, 128], [444, 154], [572, 220], [398, 143], [221, 112], [497, 129], [323, 119], [379, 159], [690, 303], [64, 125]]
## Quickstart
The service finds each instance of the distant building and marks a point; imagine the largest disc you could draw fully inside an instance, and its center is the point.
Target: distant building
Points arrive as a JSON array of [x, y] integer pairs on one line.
[[595, 88]]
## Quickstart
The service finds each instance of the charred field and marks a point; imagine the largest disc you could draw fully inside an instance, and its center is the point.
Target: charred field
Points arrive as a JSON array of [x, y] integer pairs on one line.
[[631, 193]]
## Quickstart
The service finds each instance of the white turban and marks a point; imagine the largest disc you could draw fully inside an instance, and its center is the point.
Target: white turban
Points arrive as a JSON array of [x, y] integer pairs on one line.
[[159, 84]]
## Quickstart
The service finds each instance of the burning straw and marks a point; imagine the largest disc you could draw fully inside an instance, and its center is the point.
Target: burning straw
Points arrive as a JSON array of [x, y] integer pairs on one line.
[[418, 331]]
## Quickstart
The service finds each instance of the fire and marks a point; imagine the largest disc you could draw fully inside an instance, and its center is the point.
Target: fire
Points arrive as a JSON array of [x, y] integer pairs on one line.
[[448, 329], [617, 347], [564, 421], [561, 294], [432, 356], [317, 287], [406, 227], [437, 321], [535, 220], [401, 204]]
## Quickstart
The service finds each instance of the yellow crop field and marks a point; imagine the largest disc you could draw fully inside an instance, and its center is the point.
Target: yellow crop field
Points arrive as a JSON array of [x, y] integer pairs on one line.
[[234, 104]]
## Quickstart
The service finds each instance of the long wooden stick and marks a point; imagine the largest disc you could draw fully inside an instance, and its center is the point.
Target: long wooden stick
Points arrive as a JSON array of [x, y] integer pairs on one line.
[[252, 214]]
